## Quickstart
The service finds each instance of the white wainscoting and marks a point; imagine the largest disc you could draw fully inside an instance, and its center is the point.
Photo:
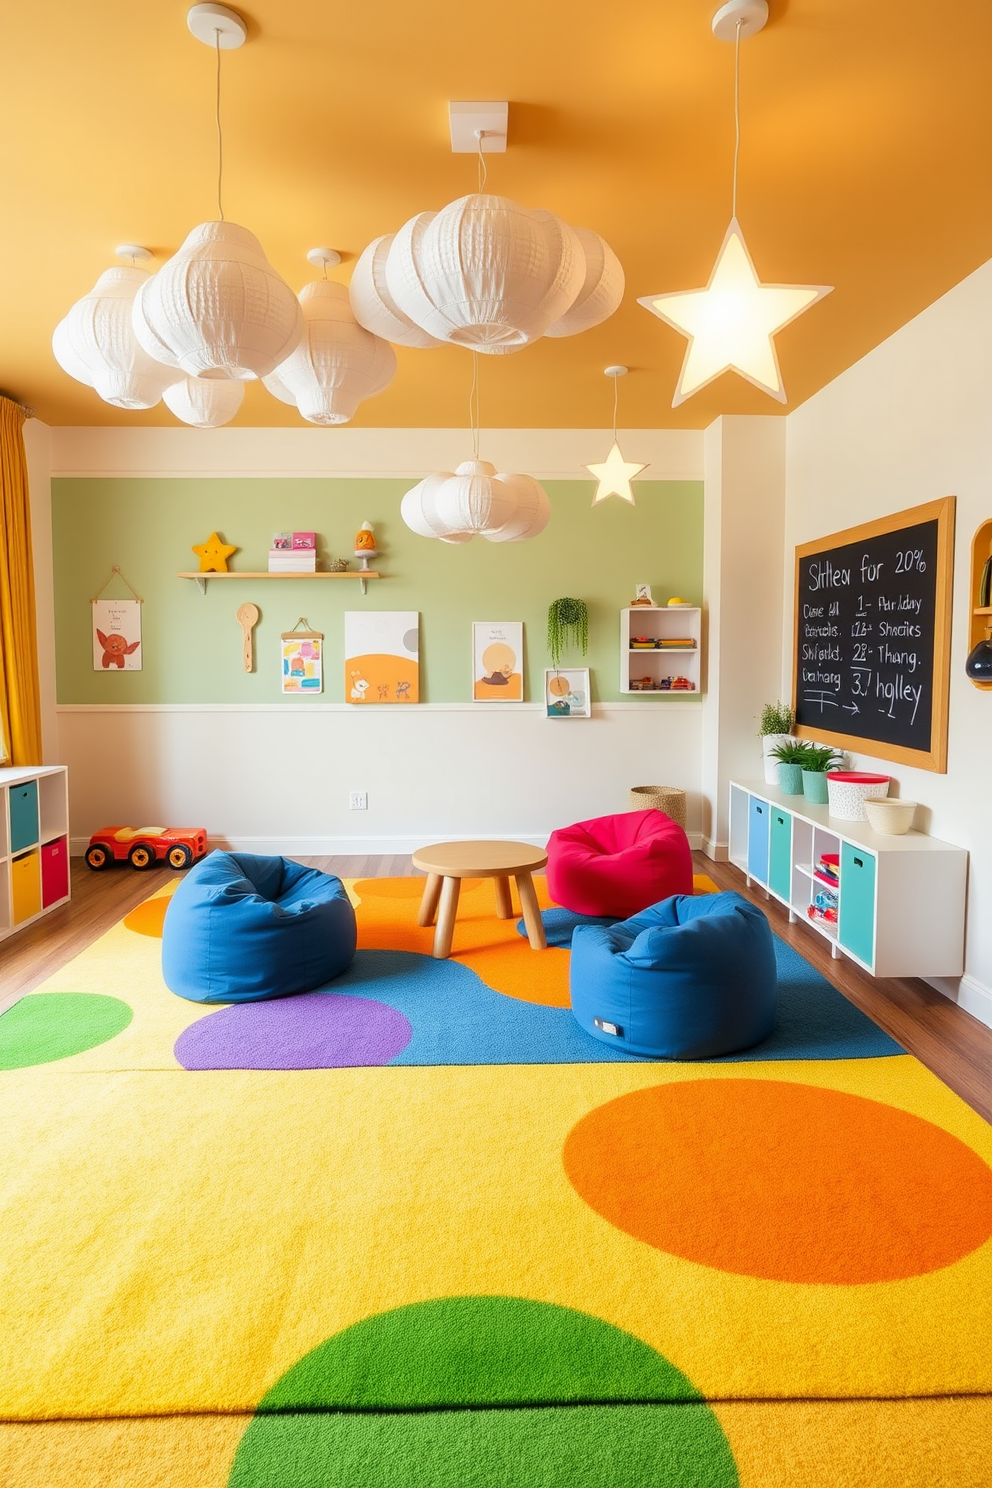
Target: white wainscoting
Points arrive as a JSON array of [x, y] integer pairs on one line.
[[276, 778]]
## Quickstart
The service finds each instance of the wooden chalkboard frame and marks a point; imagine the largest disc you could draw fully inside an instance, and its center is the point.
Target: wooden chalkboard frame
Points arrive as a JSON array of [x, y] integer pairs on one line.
[[935, 758]]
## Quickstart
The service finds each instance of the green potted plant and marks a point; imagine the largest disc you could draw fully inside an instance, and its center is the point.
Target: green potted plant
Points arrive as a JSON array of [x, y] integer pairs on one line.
[[789, 760], [777, 722], [819, 759]]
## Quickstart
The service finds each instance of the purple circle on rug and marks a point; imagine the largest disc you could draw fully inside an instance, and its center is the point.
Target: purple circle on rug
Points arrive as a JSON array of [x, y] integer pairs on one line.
[[314, 1030]]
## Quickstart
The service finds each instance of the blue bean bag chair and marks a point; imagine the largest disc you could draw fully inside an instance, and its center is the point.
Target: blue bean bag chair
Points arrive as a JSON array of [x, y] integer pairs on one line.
[[689, 978], [241, 928]]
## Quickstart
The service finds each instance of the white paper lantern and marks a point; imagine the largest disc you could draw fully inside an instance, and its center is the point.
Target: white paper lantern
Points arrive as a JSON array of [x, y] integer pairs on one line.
[[206, 403], [274, 385], [96, 339], [485, 272], [474, 500], [217, 308], [600, 294], [374, 306], [337, 363]]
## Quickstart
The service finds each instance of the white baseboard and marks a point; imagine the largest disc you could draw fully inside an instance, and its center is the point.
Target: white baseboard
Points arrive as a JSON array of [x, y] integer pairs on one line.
[[718, 851], [313, 847], [969, 993]]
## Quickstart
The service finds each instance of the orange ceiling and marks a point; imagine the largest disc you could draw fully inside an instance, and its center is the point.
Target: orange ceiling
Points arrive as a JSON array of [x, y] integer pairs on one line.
[[867, 142]]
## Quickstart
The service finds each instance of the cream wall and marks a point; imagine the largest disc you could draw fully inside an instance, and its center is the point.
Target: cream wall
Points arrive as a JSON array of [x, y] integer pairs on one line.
[[277, 778], [910, 422]]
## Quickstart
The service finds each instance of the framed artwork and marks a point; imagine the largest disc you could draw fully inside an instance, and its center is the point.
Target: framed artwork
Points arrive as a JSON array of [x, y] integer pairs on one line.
[[566, 692], [381, 656], [498, 661], [116, 635], [302, 661]]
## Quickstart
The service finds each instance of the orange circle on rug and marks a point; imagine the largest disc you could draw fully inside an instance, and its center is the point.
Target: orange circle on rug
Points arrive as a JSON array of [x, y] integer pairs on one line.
[[148, 918], [783, 1182]]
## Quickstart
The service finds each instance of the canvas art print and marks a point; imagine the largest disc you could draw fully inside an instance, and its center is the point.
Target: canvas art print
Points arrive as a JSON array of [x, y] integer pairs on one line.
[[497, 661], [382, 656], [566, 692], [116, 635], [302, 662]]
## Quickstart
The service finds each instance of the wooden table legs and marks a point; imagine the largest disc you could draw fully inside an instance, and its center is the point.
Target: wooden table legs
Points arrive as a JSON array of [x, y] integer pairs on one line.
[[532, 913], [441, 899]]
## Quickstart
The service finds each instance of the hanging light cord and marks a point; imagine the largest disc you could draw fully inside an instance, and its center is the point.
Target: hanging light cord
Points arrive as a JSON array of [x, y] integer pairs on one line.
[[220, 136], [616, 396], [480, 135], [474, 406], [737, 113]]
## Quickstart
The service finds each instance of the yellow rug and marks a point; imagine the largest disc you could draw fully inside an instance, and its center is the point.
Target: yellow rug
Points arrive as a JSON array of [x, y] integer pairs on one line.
[[496, 1276]]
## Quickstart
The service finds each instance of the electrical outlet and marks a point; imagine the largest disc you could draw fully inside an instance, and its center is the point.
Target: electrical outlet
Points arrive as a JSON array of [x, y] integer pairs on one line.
[[358, 801]]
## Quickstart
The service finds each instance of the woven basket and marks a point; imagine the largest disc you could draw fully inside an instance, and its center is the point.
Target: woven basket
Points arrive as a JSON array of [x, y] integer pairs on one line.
[[666, 798]]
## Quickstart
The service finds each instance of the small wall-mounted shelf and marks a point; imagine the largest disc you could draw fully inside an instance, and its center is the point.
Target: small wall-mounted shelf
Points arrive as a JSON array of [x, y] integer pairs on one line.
[[641, 667], [201, 579], [981, 615]]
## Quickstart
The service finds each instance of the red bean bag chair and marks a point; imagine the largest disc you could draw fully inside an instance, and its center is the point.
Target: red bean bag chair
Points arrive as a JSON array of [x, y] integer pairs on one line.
[[618, 865]]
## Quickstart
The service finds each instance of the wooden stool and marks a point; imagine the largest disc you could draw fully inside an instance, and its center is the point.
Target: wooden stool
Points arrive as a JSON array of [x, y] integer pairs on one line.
[[447, 863]]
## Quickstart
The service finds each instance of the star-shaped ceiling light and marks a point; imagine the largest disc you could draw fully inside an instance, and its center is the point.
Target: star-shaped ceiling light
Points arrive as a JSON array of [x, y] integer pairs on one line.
[[213, 554], [730, 323], [614, 475]]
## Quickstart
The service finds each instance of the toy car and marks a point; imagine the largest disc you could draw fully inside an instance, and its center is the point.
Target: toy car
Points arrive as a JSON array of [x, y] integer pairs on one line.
[[143, 847]]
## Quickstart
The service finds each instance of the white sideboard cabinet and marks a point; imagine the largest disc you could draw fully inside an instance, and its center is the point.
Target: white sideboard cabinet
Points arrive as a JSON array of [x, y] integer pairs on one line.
[[34, 844], [901, 900]]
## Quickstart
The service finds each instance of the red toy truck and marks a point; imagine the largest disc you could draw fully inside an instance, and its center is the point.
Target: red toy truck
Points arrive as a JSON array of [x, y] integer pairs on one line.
[[143, 847]]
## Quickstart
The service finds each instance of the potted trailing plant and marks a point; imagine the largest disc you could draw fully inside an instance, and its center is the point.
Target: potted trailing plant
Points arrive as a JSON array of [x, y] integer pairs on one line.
[[568, 625], [819, 759], [775, 728], [789, 760]]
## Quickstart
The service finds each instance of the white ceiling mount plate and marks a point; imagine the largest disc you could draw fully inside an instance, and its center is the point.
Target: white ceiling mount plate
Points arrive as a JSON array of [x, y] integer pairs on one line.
[[466, 119], [615, 371], [752, 15], [134, 252], [217, 25], [323, 257]]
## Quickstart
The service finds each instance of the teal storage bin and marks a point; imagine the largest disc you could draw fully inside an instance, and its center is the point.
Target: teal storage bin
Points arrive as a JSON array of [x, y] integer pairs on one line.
[[780, 854], [856, 930], [23, 805]]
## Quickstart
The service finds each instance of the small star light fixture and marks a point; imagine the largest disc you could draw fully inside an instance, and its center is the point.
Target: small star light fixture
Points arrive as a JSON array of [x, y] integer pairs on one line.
[[615, 473], [730, 324]]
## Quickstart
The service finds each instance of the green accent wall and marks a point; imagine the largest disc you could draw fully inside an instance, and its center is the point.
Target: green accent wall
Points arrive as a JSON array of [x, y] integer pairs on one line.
[[192, 644]]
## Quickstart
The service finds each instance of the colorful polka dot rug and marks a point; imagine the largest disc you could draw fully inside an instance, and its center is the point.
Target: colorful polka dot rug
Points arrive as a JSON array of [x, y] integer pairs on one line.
[[417, 1230]]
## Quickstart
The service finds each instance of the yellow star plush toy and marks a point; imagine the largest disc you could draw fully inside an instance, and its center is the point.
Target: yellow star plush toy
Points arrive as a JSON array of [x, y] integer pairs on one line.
[[213, 554]]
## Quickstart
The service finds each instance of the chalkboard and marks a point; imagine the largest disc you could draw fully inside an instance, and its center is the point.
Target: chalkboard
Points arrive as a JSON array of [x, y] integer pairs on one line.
[[872, 639]]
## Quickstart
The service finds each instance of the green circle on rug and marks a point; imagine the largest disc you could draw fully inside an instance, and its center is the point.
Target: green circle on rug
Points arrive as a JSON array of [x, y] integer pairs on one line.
[[45, 1026], [495, 1392]]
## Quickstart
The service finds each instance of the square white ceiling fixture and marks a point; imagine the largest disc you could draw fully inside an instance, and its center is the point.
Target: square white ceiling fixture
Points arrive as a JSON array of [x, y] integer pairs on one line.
[[465, 119]]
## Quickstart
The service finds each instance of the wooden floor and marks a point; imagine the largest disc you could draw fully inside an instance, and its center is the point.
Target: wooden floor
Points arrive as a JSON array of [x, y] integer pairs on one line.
[[950, 1042]]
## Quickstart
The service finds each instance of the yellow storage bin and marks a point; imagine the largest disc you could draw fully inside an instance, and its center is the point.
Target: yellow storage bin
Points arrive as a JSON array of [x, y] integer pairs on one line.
[[25, 886]]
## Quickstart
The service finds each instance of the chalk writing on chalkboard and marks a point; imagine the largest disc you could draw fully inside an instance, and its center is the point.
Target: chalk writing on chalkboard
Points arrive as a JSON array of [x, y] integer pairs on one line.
[[870, 630]]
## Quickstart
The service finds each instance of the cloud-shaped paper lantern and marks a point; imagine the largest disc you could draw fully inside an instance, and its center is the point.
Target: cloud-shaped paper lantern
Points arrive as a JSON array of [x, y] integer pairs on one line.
[[375, 307], [217, 308], [602, 291], [475, 501], [337, 362], [204, 402], [485, 273], [96, 344]]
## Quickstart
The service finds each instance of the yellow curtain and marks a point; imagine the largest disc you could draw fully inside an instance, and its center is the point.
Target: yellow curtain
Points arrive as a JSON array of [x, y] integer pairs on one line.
[[20, 703]]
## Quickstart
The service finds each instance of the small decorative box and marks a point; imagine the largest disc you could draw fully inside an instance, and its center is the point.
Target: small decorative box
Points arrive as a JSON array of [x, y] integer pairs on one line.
[[282, 542], [304, 540]]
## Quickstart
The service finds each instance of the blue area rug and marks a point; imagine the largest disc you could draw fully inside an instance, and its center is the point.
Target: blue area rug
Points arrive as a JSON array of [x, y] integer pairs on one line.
[[457, 1019]]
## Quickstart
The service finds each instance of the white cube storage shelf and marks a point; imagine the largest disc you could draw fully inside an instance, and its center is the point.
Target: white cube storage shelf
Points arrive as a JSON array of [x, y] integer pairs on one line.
[[34, 844], [901, 900], [659, 622]]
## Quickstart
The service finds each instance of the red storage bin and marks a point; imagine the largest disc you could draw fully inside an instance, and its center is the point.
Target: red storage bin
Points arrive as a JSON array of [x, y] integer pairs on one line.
[[54, 871]]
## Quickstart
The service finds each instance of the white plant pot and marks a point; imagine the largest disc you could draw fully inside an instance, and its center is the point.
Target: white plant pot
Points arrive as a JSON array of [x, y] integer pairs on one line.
[[768, 743]]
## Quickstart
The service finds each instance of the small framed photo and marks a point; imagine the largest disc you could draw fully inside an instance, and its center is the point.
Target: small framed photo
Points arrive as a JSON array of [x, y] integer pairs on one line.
[[642, 595], [304, 542], [282, 542], [497, 660], [566, 692]]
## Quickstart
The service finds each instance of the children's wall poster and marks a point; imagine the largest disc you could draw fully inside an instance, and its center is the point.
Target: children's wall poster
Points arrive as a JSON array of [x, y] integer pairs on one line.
[[302, 660], [382, 656], [566, 692], [116, 635], [497, 661]]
